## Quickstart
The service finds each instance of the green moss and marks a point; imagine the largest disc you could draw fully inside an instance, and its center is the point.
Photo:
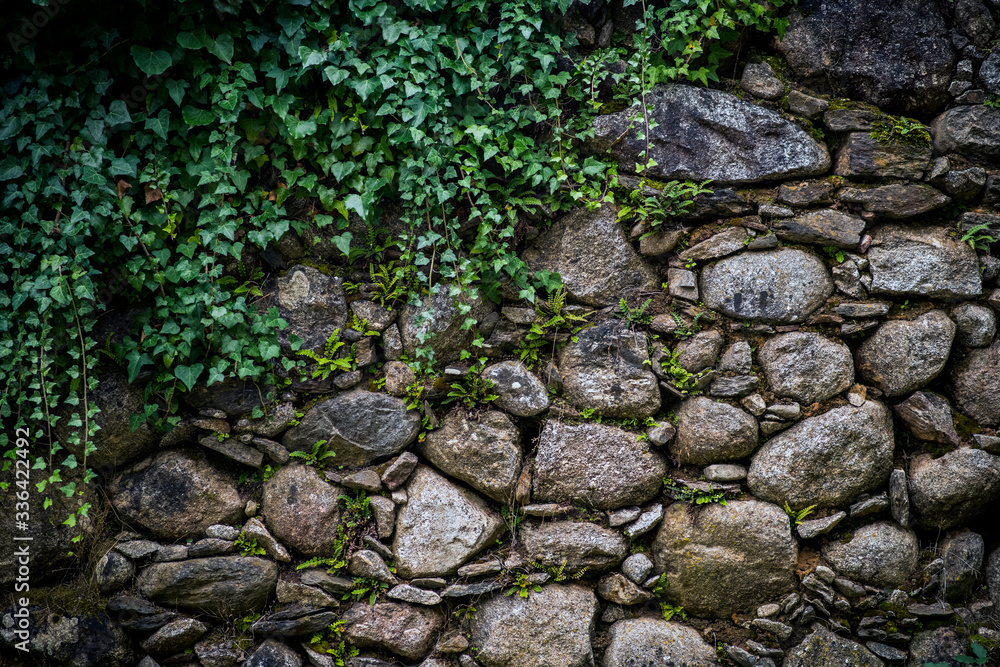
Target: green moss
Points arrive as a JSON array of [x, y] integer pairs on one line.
[[985, 642], [900, 131]]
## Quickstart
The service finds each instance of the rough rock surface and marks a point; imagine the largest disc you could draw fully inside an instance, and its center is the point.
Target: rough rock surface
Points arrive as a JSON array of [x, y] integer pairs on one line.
[[822, 648], [922, 261], [440, 527], [975, 325], [880, 554], [359, 426], [895, 55], [607, 370], [518, 390], [408, 631], [826, 460], [784, 285], [445, 321], [897, 200], [589, 250], [576, 545], [976, 384], [299, 509], [826, 226], [595, 465], [902, 356], [221, 587], [651, 641], [179, 494], [963, 557], [862, 157], [806, 366], [550, 628], [722, 560], [929, 418], [947, 491], [971, 131], [709, 134], [711, 431], [312, 303], [484, 451]]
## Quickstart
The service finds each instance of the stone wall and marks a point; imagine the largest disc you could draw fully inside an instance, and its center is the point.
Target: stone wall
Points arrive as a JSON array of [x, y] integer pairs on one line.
[[816, 375]]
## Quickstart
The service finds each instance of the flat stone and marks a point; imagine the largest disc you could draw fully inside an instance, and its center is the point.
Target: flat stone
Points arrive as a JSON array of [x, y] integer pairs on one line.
[[660, 243], [734, 387], [815, 527], [825, 227], [518, 390], [905, 355], [366, 480], [776, 628], [860, 156], [806, 105], [405, 630], [806, 366], [294, 593], [211, 547], [711, 431], [936, 610], [806, 193], [414, 595], [897, 201], [948, 491], [653, 641], [862, 310], [398, 470], [573, 545], [615, 588], [725, 472], [216, 586], [595, 465], [784, 285], [682, 284], [871, 505], [646, 522], [929, 417], [923, 261], [726, 242], [136, 549], [880, 554], [623, 516], [474, 589]]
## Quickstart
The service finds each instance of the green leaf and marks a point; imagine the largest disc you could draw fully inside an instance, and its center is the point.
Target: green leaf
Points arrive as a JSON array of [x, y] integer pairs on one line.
[[223, 48], [159, 124], [343, 242], [194, 116], [151, 62], [189, 374], [10, 169], [117, 114]]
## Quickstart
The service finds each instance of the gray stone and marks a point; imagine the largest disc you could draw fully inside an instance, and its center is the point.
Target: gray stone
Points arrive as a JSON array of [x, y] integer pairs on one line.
[[861, 310], [862, 157], [360, 427], [595, 465], [483, 451], [211, 547], [294, 593], [661, 433], [440, 527], [299, 508], [992, 577], [550, 628], [232, 397], [879, 554], [822, 648], [593, 256], [975, 325], [615, 588], [976, 384], [825, 227], [784, 285], [929, 418], [215, 652], [850, 119], [894, 56], [709, 134], [700, 351], [637, 567], [948, 491], [806, 366], [989, 72], [721, 560], [737, 358], [398, 471], [573, 545], [940, 645], [384, 511], [518, 390], [368, 564], [441, 314], [899, 497], [113, 571], [806, 105], [64, 639], [975, 21], [886, 652], [759, 80], [896, 201], [682, 284], [313, 304], [398, 376], [399, 628], [725, 472], [989, 443], [781, 631], [222, 587], [826, 460], [414, 595], [924, 261], [872, 505], [774, 211], [659, 243], [734, 387], [963, 558], [710, 431], [365, 480], [235, 450], [652, 641], [971, 131], [607, 370], [726, 242], [174, 637], [179, 494], [378, 317], [962, 184], [905, 355], [646, 522], [806, 193], [816, 527], [136, 549]]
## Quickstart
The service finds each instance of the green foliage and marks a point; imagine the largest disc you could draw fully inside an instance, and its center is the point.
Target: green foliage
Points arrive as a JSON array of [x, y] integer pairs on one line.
[[679, 377], [553, 318], [899, 130], [980, 657], [523, 586], [329, 643], [634, 316], [835, 253], [669, 611], [684, 493], [365, 587], [660, 586], [993, 101], [465, 612], [978, 240], [798, 516], [355, 516], [317, 456], [472, 388], [327, 360], [557, 573], [671, 200], [248, 546]]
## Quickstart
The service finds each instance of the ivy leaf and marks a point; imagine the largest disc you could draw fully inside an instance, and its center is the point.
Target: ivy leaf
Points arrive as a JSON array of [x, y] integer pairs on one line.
[[343, 241], [194, 116], [176, 90], [189, 41], [10, 169], [223, 48], [151, 62], [159, 124], [189, 374], [117, 114]]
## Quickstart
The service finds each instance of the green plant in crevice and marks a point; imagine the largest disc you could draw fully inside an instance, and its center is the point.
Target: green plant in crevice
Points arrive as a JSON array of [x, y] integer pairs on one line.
[[523, 586], [327, 360], [682, 379], [836, 253], [669, 611], [553, 317], [247, 546], [634, 315], [899, 130], [980, 656], [317, 455], [798, 516], [366, 587], [977, 238], [683, 493], [671, 200]]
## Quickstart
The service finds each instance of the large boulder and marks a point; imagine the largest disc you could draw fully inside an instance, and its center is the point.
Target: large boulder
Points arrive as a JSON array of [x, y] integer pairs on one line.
[[595, 465], [806, 366], [484, 451], [588, 249], [438, 321], [826, 460], [302, 510], [359, 427], [822, 648], [948, 491], [607, 370], [971, 131], [711, 431], [224, 587], [440, 527], [783, 285], [976, 384], [651, 641], [313, 304], [177, 494], [726, 559], [86, 639], [880, 554], [407, 630], [922, 261], [573, 545], [549, 628], [896, 55], [902, 356], [708, 134]]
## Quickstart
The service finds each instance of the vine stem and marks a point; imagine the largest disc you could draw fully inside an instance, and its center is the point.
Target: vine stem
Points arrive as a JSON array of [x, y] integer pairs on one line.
[[83, 366]]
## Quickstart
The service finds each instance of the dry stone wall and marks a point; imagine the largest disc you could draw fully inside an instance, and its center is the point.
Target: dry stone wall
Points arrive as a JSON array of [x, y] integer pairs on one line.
[[790, 457]]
